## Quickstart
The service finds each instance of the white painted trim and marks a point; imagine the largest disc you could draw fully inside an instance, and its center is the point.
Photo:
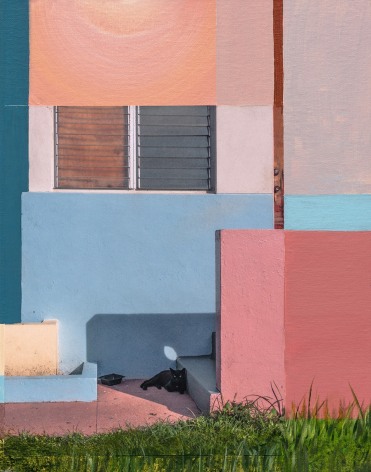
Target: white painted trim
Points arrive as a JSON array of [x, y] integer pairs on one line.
[[244, 161], [245, 149], [41, 148], [132, 147]]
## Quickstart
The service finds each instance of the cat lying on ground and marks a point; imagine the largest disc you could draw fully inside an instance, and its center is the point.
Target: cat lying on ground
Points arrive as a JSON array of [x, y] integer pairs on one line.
[[172, 380]]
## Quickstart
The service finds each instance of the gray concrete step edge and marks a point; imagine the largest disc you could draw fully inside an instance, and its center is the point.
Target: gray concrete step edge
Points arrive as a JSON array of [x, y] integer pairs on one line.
[[201, 381]]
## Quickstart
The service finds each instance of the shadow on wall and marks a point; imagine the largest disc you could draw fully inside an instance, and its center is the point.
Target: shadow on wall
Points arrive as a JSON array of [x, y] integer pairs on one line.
[[140, 345]]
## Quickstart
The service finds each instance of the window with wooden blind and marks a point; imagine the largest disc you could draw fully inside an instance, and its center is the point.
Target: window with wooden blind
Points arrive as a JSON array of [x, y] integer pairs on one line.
[[143, 148]]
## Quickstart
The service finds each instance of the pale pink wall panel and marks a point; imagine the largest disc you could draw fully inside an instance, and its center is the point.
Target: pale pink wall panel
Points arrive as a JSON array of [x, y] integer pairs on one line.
[[153, 52], [328, 315], [250, 319], [327, 96], [245, 149], [245, 53]]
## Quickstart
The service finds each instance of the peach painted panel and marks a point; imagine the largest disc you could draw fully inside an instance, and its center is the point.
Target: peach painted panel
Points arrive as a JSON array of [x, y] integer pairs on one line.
[[328, 315], [31, 348], [122, 52], [327, 119], [245, 52], [250, 328]]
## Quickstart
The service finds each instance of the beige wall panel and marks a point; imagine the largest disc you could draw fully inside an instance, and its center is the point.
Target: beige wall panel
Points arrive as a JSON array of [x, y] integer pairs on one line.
[[327, 113], [31, 349]]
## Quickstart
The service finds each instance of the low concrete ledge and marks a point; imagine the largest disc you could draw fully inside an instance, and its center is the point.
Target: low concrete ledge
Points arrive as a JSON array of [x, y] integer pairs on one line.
[[53, 388], [201, 381]]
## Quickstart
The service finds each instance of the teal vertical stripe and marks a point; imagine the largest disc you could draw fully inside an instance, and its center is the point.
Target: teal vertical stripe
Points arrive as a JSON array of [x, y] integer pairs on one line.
[[14, 57]]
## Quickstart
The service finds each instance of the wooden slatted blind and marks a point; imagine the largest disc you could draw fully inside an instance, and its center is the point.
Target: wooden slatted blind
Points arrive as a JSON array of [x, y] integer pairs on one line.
[[149, 148], [92, 147], [173, 148]]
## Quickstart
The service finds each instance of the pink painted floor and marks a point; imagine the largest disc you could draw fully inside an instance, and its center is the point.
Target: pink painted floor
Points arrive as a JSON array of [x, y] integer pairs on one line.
[[119, 406]]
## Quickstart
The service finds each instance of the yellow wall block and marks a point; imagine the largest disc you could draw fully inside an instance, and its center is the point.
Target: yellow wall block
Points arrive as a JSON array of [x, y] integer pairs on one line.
[[31, 348]]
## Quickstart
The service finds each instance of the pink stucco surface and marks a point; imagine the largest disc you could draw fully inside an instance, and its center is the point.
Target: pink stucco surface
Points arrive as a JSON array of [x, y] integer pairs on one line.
[[250, 329], [244, 52], [328, 316]]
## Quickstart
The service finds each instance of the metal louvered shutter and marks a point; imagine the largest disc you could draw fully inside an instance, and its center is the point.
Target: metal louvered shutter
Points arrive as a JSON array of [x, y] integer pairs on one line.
[[174, 148], [92, 147]]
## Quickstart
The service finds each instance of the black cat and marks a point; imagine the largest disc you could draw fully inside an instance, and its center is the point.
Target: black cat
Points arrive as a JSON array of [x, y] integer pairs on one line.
[[172, 380]]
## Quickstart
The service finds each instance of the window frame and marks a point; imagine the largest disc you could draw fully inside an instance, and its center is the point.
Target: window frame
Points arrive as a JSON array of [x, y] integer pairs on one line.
[[133, 159]]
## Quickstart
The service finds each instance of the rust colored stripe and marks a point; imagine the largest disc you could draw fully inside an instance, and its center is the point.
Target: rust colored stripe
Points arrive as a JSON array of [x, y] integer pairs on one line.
[[278, 125], [278, 51]]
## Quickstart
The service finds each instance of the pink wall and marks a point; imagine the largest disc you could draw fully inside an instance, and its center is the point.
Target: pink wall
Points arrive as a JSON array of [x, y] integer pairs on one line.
[[295, 306], [328, 315], [244, 52], [250, 324]]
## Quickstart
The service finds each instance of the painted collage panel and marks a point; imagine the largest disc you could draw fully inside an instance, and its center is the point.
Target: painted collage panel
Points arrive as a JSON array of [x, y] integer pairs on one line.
[[151, 52], [327, 315], [327, 121]]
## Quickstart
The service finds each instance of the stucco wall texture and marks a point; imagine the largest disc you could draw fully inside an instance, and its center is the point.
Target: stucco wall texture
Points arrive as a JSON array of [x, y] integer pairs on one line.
[[327, 315], [107, 254], [14, 46], [327, 75], [250, 324], [328, 212], [30, 348], [324, 279], [151, 52]]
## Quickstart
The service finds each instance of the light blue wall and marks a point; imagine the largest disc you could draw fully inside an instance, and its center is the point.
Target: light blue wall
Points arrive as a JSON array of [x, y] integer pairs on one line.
[[2, 390], [87, 256], [328, 212]]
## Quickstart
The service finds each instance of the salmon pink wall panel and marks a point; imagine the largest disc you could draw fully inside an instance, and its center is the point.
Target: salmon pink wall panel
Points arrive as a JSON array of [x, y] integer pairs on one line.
[[328, 315], [128, 52], [250, 327], [245, 61]]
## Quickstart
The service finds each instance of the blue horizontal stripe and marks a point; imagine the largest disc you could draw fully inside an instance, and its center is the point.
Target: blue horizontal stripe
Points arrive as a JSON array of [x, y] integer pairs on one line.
[[328, 212]]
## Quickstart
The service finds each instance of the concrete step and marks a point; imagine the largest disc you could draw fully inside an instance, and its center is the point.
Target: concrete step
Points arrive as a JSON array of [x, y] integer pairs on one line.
[[201, 381]]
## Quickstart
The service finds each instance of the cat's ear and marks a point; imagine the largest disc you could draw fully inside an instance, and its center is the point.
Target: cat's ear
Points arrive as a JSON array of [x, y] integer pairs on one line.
[[183, 371], [172, 370]]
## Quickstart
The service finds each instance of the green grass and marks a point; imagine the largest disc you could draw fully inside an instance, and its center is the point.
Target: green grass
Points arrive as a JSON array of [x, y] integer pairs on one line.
[[238, 437]]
